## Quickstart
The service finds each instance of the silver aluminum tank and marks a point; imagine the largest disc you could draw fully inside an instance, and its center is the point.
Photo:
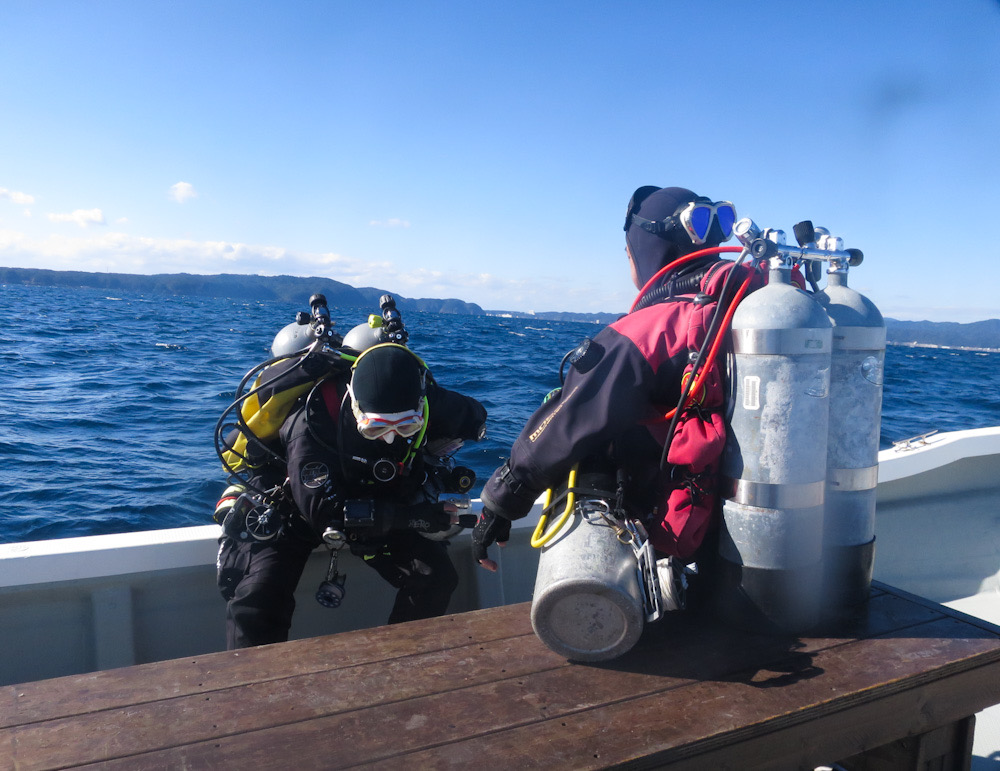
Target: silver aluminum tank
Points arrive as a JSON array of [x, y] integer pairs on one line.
[[852, 455], [587, 603], [771, 538]]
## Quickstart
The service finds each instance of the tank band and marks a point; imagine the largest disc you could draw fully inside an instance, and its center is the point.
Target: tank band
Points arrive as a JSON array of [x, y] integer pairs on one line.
[[781, 341], [768, 496], [850, 479], [859, 338]]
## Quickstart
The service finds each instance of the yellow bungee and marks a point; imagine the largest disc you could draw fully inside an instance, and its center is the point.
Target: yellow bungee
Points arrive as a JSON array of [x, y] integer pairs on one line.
[[539, 538]]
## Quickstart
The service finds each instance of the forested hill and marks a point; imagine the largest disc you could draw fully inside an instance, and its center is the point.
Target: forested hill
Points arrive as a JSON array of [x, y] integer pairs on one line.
[[947, 334], [296, 291], [291, 289]]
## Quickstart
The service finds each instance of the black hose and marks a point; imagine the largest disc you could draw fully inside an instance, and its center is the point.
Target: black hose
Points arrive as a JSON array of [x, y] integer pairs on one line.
[[562, 365], [685, 281], [220, 445]]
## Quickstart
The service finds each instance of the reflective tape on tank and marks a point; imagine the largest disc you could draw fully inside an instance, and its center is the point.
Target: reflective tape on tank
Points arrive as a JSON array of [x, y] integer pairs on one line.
[[781, 341], [849, 479], [768, 496], [859, 338]]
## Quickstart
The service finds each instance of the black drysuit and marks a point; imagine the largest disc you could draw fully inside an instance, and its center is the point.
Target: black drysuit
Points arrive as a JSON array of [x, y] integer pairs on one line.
[[329, 463]]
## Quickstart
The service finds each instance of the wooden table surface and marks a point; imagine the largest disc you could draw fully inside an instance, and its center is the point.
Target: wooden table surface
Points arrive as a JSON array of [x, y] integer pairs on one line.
[[479, 689]]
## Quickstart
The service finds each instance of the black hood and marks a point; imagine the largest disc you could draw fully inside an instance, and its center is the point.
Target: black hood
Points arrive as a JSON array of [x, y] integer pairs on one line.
[[651, 251], [388, 378]]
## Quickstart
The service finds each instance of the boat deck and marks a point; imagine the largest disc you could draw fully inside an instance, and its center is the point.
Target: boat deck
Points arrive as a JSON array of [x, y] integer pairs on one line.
[[897, 691]]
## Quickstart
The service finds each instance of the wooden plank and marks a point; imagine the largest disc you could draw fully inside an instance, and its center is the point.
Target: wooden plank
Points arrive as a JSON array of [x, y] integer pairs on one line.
[[480, 687], [130, 686], [703, 721], [515, 715], [153, 724]]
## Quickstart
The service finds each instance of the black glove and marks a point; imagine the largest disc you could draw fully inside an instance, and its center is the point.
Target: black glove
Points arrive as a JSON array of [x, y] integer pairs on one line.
[[491, 528]]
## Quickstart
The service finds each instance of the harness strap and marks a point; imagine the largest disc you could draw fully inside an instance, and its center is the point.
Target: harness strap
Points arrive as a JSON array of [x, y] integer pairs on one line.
[[331, 398]]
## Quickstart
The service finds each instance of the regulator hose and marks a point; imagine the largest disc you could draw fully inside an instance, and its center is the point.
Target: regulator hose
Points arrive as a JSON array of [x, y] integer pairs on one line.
[[638, 303], [220, 443]]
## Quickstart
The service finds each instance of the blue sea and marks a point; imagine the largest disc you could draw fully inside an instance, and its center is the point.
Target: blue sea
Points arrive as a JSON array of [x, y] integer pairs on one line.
[[111, 402]]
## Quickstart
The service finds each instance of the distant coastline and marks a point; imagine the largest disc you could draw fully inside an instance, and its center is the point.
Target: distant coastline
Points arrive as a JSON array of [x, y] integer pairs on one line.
[[943, 347], [292, 289], [981, 336]]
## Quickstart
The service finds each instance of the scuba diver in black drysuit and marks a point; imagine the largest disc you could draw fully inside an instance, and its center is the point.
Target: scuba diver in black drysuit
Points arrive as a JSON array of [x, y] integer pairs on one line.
[[358, 459]]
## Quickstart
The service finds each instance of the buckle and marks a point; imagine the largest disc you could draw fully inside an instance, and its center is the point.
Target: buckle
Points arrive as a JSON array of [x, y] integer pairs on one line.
[[508, 478]]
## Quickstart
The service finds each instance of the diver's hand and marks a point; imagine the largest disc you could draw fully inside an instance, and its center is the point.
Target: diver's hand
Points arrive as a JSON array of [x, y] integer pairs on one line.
[[489, 529]]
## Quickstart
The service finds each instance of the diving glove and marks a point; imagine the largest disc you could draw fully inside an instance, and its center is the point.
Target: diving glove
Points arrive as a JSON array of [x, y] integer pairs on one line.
[[491, 528]]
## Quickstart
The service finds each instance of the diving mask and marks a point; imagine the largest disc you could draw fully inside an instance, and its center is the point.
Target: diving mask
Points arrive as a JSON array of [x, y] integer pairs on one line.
[[387, 426], [696, 217]]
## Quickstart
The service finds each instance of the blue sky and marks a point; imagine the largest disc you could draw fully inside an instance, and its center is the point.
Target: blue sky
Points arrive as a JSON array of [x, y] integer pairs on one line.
[[487, 151]]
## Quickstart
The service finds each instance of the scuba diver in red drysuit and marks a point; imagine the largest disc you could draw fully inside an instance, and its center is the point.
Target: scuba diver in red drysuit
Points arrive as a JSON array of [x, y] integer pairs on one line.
[[622, 382]]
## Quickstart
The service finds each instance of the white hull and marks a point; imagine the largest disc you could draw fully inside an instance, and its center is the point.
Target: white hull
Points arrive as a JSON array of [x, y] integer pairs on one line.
[[82, 604]]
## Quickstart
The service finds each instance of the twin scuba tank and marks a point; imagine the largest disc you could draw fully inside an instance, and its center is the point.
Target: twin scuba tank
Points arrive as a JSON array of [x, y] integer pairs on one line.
[[263, 406], [797, 538], [796, 541]]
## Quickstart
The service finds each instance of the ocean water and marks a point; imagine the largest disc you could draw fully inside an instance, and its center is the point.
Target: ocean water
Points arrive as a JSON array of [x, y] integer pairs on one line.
[[111, 402]]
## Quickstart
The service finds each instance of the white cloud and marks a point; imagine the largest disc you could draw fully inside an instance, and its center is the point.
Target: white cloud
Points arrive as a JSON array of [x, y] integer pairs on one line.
[[181, 191], [390, 223], [22, 199], [117, 252], [122, 253], [82, 217], [495, 292]]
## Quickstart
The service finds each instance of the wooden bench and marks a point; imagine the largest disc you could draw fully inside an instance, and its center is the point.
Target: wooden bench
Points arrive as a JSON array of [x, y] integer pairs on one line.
[[479, 690]]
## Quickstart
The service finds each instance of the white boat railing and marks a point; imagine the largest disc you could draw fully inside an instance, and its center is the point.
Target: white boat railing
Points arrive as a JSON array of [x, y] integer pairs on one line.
[[934, 450]]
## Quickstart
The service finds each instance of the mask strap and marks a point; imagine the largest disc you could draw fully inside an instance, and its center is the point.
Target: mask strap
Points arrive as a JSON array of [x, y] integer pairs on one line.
[[656, 227], [638, 197]]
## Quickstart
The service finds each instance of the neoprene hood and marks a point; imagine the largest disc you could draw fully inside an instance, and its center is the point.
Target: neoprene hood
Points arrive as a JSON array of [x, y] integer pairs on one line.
[[388, 378], [651, 251]]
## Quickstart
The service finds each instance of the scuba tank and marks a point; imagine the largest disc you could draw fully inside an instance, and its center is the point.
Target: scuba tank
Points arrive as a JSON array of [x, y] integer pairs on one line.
[[856, 377], [305, 351], [260, 409], [589, 600], [771, 535], [385, 328]]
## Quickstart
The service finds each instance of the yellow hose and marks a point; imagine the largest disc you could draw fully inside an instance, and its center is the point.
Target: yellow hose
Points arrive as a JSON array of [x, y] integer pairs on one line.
[[539, 538]]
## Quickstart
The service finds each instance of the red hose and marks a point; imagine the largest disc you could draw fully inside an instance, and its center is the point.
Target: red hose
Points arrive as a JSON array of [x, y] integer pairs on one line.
[[713, 351]]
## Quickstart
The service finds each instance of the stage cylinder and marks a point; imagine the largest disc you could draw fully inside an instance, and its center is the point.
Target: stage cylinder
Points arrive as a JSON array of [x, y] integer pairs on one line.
[[587, 603]]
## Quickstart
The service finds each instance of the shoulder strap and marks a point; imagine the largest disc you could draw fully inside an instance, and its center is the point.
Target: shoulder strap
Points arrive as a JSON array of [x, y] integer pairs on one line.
[[332, 397]]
